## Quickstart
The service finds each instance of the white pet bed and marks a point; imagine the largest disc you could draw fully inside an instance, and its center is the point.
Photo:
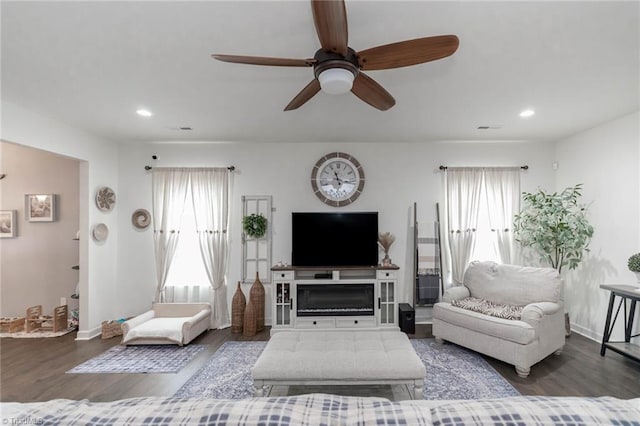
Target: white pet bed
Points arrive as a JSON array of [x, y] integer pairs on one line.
[[167, 323]]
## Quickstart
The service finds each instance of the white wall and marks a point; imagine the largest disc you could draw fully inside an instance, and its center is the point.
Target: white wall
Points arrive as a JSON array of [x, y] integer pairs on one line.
[[606, 160], [98, 263], [397, 175], [117, 278]]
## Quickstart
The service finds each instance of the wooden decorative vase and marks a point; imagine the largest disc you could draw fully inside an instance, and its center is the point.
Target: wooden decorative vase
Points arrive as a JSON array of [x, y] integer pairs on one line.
[[256, 297], [249, 323], [238, 306]]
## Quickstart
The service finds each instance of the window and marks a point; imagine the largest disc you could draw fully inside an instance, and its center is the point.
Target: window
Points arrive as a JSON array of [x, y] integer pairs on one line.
[[206, 207], [484, 247], [480, 204], [187, 267]]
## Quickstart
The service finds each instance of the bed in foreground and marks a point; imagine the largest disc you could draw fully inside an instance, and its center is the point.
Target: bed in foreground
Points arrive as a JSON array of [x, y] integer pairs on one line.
[[323, 409]]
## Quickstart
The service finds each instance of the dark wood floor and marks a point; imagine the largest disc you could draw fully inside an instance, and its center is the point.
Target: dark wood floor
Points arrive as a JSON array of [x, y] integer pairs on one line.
[[34, 370]]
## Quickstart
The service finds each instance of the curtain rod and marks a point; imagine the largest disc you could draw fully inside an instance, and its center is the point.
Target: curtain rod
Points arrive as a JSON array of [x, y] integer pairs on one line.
[[230, 168], [525, 167]]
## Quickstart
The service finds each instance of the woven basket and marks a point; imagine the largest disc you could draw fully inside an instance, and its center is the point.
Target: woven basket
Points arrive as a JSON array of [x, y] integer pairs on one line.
[[249, 324], [111, 329], [238, 305], [256, 296]]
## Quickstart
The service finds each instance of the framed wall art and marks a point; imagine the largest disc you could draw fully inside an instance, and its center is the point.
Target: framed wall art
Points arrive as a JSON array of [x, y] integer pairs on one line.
[[7, 223], [40, 207]]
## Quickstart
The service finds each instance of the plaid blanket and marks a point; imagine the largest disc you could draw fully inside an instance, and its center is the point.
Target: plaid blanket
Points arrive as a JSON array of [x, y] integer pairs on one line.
[[323, 409]]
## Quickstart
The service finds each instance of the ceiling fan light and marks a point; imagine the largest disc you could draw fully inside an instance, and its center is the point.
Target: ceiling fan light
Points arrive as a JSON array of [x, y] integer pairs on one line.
[[336, 81]]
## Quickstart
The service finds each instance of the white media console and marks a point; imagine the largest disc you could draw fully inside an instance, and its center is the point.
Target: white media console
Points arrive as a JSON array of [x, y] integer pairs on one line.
[[334, 298]]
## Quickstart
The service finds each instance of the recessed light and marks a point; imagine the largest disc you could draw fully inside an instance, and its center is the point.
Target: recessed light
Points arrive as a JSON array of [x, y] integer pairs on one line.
[[527, 113], [144, 112]]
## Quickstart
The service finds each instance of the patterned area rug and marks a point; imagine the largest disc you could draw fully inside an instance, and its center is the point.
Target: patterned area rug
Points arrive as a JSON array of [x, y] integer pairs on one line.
[[452, 373], [227, 374], [140, 359]]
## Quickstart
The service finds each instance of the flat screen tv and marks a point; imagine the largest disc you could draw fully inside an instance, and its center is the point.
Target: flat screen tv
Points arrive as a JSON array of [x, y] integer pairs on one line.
[[334, 239]]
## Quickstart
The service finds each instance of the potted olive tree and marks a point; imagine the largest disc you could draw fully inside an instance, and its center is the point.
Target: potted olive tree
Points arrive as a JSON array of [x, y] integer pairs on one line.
[[556, 226]]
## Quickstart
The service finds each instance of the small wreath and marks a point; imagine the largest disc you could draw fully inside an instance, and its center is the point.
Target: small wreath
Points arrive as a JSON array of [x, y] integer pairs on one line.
[[254, 225]]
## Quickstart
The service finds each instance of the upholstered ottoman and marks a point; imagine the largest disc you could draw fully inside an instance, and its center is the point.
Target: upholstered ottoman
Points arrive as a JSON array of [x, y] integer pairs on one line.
[[339, 358]]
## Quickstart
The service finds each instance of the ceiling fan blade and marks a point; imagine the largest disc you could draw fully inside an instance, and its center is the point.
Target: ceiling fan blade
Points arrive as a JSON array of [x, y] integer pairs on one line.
[[330, 18], [409, 52], [261, 60], [305, 94], [372, 93]]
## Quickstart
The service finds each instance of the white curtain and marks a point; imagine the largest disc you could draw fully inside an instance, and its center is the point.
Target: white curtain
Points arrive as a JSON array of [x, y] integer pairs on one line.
[[210, 191], [169, 192], [503, 198], [462, 201]]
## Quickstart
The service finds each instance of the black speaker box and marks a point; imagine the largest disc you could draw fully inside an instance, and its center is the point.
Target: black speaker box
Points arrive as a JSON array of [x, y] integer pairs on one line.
[[407, 318]]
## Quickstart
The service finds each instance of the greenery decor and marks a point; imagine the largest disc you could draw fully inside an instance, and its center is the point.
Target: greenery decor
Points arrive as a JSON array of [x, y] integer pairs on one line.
[[254, 225], [555, 225], [634, 263]]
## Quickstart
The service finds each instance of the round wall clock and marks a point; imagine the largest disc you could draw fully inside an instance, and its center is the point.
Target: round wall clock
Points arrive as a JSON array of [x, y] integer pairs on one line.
[[337, 179]]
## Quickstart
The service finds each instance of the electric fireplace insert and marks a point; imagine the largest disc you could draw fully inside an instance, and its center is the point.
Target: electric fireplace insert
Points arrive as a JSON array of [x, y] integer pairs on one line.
[[335, 299]]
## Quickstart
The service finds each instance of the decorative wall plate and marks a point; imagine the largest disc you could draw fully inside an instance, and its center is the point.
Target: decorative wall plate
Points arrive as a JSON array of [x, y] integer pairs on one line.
[[100, 232], [105, 199], [141, 218]]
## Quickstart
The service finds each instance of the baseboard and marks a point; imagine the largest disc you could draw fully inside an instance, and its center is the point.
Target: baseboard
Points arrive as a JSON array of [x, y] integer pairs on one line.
[[589, 334], [89, 334]]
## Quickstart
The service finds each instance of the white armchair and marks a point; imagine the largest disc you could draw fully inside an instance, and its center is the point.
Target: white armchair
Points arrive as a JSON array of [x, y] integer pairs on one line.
[[511, 313]]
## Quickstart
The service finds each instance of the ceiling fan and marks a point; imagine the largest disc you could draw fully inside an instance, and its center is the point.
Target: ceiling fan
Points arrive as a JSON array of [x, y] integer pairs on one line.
[[338, 68]]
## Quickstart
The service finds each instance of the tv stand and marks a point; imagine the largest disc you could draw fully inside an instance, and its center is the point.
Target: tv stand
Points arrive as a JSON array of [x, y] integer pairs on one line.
[[365, 298]]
